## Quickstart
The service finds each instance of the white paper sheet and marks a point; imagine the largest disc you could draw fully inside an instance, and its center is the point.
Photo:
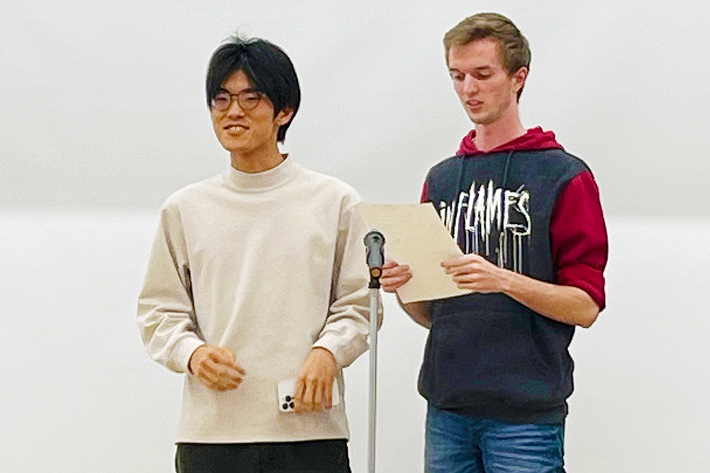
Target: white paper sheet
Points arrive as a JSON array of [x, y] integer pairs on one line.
[[415, 236]]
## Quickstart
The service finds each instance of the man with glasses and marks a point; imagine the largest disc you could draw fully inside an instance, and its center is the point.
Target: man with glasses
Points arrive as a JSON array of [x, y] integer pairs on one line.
[[497, 371], [256, 277]]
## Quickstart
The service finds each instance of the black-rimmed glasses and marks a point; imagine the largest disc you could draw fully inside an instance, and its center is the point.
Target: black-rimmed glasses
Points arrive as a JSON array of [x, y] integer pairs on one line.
[[247, 99]]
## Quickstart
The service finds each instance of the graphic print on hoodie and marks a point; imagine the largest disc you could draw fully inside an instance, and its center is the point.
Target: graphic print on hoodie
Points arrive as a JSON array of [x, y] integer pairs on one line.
[[487, 217]]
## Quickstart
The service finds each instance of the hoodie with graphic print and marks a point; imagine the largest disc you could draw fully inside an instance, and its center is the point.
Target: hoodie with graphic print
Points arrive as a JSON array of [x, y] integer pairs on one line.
[[530, 207]]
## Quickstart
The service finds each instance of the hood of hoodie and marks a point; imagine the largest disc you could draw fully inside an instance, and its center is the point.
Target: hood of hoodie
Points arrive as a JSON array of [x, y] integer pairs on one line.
[[534, 139]]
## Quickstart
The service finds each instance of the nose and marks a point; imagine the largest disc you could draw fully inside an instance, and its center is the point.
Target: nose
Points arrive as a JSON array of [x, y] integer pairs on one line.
[[470, 85], [234, 109]]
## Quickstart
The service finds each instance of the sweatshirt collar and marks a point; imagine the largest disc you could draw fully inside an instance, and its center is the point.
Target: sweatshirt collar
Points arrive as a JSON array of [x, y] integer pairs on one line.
[[534, 139], [262, 181]]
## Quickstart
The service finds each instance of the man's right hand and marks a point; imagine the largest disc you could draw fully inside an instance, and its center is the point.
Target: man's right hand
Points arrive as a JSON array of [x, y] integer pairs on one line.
[[394, 275], [216, 367]]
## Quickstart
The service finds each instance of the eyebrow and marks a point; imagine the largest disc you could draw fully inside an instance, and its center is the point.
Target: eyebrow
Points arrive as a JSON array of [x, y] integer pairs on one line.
[[479, 68], [248, 89]]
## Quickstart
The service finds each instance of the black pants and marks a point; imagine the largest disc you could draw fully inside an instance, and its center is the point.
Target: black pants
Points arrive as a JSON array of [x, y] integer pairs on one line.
[[320, 456]]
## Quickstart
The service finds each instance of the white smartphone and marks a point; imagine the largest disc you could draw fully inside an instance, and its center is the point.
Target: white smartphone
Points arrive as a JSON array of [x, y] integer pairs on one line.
[[286, 389]]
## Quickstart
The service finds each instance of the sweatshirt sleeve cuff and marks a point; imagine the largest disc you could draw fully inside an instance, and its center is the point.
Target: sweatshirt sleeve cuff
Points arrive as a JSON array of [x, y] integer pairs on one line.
[[586, 278], [344, 352], [184, 351]]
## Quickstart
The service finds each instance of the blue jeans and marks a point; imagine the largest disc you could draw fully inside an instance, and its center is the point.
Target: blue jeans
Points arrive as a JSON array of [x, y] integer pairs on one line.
[[458, 443]]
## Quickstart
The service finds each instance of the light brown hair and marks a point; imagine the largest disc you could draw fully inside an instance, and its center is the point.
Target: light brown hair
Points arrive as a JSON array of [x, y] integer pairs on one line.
[[514, 48]]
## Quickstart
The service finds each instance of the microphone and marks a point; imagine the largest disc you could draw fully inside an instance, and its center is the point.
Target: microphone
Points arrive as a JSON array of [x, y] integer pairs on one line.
[[375, 242]]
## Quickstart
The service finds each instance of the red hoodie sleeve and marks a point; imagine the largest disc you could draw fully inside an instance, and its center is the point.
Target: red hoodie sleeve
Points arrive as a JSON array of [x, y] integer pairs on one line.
[[425, 193], [578, 238]]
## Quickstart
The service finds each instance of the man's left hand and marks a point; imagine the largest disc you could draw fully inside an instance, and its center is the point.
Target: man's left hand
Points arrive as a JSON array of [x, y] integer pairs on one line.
[[314, 385], [476, 273]]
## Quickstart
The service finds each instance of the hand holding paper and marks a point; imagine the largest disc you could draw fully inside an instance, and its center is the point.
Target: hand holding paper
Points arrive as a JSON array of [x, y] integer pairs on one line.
[[394, 275], [416, 237]]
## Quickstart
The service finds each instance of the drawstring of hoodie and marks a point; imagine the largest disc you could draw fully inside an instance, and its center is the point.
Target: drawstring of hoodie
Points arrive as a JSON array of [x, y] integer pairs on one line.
[[463, 171], [505, 170]]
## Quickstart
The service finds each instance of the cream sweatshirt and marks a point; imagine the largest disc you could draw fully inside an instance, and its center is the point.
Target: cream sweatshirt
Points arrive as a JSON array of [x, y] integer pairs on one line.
[[268, 265]]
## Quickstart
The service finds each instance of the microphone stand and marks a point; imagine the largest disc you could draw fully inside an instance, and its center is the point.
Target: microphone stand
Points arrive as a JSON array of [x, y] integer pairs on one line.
[[374, 241]]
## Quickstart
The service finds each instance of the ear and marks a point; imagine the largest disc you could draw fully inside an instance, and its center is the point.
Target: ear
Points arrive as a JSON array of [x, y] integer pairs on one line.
[[519, 77], [284, 116]]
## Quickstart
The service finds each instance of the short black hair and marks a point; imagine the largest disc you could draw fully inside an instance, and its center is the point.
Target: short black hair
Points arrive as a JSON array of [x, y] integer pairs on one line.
[[268, 68]]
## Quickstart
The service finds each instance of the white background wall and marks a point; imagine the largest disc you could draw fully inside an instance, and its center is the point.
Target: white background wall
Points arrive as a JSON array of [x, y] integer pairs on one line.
[[102, 115], [103, 102]]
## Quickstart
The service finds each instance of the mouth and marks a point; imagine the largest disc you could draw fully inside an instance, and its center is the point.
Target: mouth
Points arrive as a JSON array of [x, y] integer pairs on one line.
[[235, 127], [472, 104]]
